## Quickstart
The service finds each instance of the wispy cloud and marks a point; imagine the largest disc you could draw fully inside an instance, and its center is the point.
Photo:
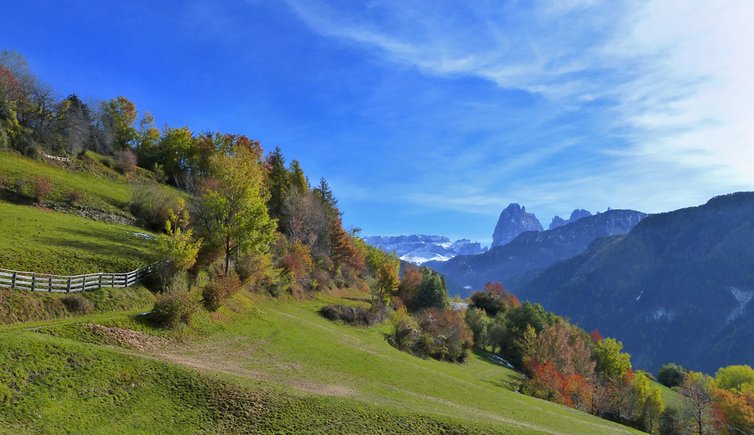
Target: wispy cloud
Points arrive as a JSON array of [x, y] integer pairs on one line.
[[675, 80]]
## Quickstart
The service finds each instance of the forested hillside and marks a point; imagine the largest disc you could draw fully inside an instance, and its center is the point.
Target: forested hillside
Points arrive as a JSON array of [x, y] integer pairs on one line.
[[677, 288]]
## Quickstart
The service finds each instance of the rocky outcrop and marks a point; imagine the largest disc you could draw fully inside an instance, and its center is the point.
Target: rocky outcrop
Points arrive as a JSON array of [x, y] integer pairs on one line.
[[577, 214], [513, 221]]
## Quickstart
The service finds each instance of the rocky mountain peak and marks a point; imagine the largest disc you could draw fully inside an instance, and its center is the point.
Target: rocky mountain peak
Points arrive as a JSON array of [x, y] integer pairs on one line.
[[577, 214], [513, 221]]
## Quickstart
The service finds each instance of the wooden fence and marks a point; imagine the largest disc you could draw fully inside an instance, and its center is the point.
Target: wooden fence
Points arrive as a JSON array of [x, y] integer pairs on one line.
[[40, 282]]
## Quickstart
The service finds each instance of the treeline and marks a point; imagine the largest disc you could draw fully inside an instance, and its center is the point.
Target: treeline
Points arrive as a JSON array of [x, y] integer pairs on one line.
[[246, 220], [720, 404], [565, 364], [562, 362]]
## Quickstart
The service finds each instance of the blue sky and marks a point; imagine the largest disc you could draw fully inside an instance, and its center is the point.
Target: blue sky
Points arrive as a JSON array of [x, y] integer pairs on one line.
[[431, 116]]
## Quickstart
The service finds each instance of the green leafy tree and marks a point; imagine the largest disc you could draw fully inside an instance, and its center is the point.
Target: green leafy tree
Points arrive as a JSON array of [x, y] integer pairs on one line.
[[231, 210], [326, 195], [432, 292], [119, 115], [611, 362], [735, 378], [177, 248], [477, 320], [278, 183], [647, 402], [298, 179], [671, 375]]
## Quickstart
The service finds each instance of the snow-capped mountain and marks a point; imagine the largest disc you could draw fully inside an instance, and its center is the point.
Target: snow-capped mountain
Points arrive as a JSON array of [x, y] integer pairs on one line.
[[419, 249]]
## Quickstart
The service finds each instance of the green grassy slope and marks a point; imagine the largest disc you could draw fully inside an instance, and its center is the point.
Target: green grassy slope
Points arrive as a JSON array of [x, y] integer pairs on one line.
[[265, 364], [104, 189], [25, 306], [39, 240]]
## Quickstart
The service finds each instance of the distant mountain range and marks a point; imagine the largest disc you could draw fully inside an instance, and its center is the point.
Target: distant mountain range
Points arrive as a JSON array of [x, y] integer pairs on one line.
[[420, 249], [533, 251], [676, 288]]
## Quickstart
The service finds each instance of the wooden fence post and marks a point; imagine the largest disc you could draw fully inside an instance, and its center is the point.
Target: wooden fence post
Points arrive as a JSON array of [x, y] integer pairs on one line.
[[100, 281], [83, 284], [33, 281], [13, 281], [68, 290], [49, 283]]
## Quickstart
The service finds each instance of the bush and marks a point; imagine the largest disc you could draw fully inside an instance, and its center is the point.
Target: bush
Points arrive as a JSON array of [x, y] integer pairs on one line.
[[320, 280], [41, 188], [125, 162], [151, 203], [435, 333], [257, 271], [173, 308], [77, 304], [220, 289], [356, 316], [76, 197]]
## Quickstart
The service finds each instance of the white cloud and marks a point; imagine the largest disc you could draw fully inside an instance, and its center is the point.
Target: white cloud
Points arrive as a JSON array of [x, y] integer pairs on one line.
[[676, 78]]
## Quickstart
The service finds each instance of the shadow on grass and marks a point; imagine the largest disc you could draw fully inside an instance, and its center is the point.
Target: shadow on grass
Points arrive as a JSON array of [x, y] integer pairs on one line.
[[100, 242], [512, 383]]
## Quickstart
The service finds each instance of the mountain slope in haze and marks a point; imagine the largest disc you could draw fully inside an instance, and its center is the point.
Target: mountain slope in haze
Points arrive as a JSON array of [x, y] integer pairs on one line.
[[532, 251], [513, 221], [420, 249], [679, 287]]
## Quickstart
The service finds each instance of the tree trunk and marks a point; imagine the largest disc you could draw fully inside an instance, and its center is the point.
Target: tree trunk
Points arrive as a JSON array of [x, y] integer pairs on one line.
[[227, 255]]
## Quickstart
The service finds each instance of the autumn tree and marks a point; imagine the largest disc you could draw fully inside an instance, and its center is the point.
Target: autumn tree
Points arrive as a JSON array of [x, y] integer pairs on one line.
[[306, 220], [118, 117], [385, 284], [346, 256], [564, 345], [734, 412], [696, 392], [494, 298], [231, 210]]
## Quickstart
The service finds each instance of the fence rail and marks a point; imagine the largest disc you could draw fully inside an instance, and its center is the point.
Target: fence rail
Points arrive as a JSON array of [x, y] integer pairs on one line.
[[42, 282]]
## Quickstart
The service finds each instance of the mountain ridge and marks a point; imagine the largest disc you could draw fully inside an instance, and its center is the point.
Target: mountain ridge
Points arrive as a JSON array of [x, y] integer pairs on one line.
[[685, 278]]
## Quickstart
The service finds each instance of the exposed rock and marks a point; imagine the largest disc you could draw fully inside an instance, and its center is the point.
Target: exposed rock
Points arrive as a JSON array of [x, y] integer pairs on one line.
[[513, 221], [577, 214]]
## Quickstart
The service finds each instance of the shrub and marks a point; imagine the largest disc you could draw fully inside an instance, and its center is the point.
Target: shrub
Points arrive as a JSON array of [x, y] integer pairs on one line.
[[41, 188], [173, 307], [220, 289], [152, 203], [77, 304], [356, 316], [435, 333], [297, 262], [76, 197], [320, 280], [257, 271], [125, 162]]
